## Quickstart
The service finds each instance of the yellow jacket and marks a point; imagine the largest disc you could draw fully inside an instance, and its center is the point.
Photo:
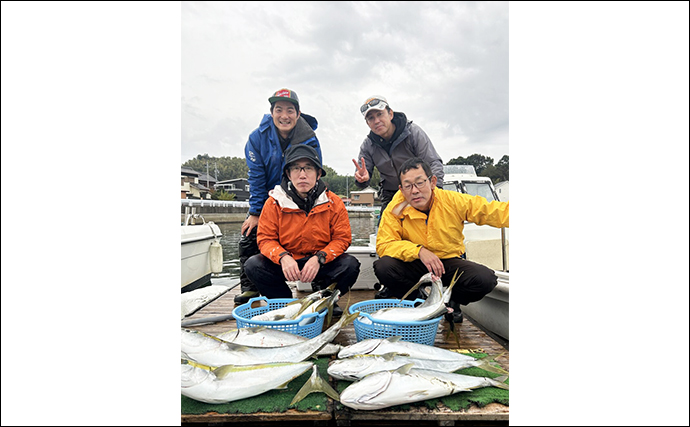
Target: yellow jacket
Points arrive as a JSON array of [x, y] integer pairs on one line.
[[404, 229]]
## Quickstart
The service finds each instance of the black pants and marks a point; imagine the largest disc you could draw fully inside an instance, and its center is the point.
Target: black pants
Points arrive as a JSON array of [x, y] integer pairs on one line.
[[270, 281], [399, 276], [247, 248]]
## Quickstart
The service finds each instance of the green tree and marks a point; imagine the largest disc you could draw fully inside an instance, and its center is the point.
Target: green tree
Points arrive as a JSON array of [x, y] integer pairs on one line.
[[477, 160], [236, 167], [222, 195], [228, 167], [503, 168]]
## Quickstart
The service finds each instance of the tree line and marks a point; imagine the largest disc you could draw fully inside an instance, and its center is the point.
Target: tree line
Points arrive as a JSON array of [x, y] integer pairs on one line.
[[224, 168]]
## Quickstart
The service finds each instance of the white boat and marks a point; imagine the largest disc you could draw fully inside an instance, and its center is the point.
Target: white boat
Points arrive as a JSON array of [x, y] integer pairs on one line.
[[201, 252], [491, 312]]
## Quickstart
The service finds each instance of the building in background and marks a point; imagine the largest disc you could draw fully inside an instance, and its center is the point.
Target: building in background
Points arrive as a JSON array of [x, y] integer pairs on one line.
[[502, 191], [238, 186], [366, 197], [191, 187]]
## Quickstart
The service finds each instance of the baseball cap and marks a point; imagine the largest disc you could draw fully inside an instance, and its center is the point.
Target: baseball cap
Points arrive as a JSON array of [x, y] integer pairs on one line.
[[373, 103], [303, 151], [285, 95]]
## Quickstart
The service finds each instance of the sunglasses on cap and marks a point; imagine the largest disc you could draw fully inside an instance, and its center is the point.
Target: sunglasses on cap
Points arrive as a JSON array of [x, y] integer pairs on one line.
[[373, 103]]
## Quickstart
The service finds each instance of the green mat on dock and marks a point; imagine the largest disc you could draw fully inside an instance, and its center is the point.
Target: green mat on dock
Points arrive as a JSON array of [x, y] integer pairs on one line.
[[279, 400]]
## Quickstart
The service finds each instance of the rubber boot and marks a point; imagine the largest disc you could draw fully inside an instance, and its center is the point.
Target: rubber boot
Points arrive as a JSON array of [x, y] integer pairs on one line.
[[247, 248]]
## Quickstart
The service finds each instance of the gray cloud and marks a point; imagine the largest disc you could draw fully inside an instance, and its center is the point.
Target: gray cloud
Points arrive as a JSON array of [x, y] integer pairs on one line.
[[444, 64]]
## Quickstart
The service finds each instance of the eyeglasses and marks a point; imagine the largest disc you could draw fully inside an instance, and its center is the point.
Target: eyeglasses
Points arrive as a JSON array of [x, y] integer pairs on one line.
[[297, 169], [373, 103], [418, 184]]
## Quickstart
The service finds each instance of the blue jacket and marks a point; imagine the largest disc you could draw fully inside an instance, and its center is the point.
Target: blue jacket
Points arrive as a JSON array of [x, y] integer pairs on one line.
[[265, 157]]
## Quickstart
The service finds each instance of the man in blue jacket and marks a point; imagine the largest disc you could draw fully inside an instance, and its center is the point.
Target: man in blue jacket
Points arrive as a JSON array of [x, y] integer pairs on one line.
[[284, 127]]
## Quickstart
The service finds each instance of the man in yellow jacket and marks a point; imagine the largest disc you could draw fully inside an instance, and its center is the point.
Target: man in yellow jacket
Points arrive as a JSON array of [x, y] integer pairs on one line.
[[303, 232], [421, 232]]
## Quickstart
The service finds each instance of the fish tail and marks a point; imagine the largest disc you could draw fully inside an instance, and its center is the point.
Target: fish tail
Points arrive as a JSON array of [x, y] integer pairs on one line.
[[423, 280], [456, 276], [486, 365], [347, 318], [315, 384], [500, 382]]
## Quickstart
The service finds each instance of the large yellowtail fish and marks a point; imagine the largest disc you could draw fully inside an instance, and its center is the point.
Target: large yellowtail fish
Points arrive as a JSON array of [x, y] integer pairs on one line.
[[407, 385], [325, 303], [381, 346], [357, 367], [262, 336], [433, 307], [229, 383], [294, 309], [213, 351]]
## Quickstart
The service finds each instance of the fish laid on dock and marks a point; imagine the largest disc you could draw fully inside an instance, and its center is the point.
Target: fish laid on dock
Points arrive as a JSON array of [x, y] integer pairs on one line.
[[229, 383], [262, 336], [381, 346], [407, 385], [213, 351], [357, 367]]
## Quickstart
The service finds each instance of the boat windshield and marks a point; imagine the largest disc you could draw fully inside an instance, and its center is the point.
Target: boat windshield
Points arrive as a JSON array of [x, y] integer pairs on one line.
[[452, 186], [480, 189]]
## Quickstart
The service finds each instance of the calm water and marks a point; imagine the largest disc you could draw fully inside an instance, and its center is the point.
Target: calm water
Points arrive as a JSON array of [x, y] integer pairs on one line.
[[361, 229]]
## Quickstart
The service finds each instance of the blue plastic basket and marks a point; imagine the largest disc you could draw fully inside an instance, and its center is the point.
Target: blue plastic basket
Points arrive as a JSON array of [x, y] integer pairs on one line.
[[312, 323], [422, 332]]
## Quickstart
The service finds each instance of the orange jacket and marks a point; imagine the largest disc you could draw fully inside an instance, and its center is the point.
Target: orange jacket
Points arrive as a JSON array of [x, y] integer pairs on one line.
[[285, 227]]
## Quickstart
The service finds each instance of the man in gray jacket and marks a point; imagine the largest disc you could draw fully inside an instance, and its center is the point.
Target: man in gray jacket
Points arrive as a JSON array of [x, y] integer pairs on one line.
[[392, 140]]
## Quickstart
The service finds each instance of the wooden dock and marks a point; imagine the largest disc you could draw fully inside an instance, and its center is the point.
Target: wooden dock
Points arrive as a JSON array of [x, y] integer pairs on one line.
[[471, 337]]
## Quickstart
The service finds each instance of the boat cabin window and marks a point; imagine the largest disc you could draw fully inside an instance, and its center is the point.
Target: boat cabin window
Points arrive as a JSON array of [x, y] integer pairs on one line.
[[451, 186], [479, 189]]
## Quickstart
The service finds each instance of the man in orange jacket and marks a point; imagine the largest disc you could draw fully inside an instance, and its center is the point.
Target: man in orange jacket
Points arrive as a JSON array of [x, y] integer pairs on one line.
[[303, 233]]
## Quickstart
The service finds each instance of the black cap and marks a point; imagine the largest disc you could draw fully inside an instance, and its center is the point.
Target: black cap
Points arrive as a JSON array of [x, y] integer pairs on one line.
[[302, 151]]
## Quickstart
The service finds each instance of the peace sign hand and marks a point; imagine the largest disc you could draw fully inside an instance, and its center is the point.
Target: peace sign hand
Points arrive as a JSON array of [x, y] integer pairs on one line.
[[361, 173]]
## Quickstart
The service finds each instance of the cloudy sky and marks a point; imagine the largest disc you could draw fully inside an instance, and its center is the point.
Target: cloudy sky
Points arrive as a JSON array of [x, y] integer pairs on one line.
[[444, 64]]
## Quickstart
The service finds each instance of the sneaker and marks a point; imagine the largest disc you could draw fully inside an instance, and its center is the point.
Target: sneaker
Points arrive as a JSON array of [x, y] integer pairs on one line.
[[245, 296], [383, 293]]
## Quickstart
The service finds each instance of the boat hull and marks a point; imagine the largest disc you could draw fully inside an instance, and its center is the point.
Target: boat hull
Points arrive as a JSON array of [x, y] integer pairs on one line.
[[195, 255], [492, 312]]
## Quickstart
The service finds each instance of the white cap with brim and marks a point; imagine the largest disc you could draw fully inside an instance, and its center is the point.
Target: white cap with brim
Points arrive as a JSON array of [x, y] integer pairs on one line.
[[373, 103]]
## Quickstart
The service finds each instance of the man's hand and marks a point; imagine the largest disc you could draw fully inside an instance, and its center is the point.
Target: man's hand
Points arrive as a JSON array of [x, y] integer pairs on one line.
[[432, 262], [310, 270], [290, 268], [249, 223], [361, 174]]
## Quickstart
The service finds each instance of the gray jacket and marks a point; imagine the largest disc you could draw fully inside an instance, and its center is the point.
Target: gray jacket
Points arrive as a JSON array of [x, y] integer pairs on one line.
[[411, 142]]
